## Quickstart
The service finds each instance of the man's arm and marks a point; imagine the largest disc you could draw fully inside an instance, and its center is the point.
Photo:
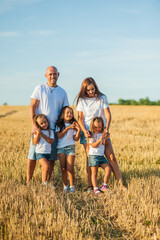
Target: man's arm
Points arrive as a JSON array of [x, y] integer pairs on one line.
[[33, 106]]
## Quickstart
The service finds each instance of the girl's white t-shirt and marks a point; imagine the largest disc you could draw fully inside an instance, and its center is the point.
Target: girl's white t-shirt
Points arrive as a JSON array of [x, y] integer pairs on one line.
[[43, 146], [99, 150], [92, 107], [67, 139]]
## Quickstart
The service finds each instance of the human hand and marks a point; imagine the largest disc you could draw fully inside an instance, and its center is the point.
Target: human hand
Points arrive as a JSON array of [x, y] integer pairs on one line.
[[87, 134]]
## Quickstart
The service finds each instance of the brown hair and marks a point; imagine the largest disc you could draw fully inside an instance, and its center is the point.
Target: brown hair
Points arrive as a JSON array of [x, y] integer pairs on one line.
[[96, 119], [86, 82], [60, 122], [41, 115]]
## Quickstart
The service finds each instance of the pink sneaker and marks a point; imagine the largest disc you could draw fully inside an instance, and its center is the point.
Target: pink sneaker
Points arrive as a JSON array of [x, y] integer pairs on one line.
[[104, 188], [97, 191]]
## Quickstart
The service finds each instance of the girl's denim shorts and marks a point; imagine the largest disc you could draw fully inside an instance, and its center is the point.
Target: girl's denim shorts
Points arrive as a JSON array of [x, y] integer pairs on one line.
[[95, 160], [42, 155], [68, 150]]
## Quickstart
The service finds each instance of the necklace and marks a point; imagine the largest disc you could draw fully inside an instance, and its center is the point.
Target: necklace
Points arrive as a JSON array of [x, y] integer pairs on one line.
[[51, 89]]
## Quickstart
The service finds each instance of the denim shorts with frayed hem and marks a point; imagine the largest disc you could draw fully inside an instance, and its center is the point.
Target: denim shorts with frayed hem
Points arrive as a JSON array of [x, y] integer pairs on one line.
[[95, 161], [68, 150], [42, 155], [53, 155]]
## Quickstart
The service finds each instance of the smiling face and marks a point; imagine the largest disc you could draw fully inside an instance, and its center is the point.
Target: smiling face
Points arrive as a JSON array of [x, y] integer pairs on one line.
[[68, 115], [97, 126], [90, 90], [52, 75], [43, 123]]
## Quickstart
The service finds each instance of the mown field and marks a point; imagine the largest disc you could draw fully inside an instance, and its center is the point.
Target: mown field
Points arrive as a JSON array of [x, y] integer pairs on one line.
[[35, 212]]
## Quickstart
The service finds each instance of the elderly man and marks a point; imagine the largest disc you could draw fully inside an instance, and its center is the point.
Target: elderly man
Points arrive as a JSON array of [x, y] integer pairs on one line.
[[47, 98]]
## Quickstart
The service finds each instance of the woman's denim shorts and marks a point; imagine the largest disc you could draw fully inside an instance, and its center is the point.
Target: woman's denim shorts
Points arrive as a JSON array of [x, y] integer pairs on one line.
[[42, 155], [68, 150], [95, 160], [83, 139]]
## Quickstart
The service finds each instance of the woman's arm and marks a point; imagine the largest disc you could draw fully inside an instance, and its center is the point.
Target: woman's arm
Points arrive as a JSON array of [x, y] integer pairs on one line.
[[108, 117], [81, 123]]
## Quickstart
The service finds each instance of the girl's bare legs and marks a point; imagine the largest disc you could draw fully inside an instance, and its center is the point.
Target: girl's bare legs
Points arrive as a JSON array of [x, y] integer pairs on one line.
[[107, 170], [62, 159], [87, 167], [109, 153], [45, 167], [70, 168], [50, 170], [94, 171], [31, 164]]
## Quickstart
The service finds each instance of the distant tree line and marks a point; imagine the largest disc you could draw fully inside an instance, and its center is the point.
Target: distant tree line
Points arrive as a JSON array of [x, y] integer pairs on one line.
[[142, 101]]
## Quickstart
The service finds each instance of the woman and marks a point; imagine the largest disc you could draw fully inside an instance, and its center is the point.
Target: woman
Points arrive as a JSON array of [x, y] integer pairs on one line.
[[91, 103]]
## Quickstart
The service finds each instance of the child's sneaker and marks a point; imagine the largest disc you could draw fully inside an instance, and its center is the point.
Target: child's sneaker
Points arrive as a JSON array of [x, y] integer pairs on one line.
[[44, 183], [90, 189], [97, 191], [104, 188], [72, 190], [65, 189]]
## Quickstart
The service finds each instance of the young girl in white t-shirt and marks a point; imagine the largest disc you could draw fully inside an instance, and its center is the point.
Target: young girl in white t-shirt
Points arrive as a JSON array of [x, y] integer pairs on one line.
[[68, 131], [96, 153], [43, 138]]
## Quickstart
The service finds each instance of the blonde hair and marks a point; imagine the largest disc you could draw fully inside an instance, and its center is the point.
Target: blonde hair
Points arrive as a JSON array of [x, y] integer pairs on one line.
[[96, 119]]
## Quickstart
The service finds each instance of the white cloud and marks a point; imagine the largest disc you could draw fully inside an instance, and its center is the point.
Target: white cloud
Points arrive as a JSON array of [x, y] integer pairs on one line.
[[43, 32], [132, 11], [9, 34], [8, 5]]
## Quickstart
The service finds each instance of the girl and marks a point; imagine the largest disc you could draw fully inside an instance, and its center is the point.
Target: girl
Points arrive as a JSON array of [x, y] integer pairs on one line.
[[96, 153], [68, 131], [43, 138], [90, 103]]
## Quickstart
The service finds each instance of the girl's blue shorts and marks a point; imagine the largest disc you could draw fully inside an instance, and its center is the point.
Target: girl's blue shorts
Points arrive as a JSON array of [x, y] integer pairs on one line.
[[68, 150], [95, 161]]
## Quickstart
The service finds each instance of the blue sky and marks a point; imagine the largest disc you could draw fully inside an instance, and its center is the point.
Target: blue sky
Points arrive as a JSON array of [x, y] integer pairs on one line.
[[117, 42]]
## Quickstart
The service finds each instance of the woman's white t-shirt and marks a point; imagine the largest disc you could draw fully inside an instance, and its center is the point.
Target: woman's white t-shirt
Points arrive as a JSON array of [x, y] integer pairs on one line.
[[43, 146], [67, 139], [99, 150], [92, 107]]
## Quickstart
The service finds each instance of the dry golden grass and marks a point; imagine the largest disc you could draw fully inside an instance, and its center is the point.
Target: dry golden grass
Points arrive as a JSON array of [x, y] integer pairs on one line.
[[34, 212]]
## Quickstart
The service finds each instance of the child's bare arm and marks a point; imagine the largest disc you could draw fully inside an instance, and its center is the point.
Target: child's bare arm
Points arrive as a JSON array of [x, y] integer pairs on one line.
[[95, 144], [64, 131], [48, 139]]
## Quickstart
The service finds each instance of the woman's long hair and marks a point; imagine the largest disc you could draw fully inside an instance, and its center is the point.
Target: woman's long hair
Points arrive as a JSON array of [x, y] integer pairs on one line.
[[60, 122], [83, 93]]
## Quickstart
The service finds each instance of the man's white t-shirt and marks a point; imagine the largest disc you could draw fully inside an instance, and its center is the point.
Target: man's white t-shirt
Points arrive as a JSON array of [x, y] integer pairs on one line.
[[99, 150], [51, 101], [43, 146], [67, 139], [92, 107]]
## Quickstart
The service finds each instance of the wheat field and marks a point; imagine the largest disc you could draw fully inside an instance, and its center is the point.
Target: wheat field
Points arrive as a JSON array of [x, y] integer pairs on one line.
[[34, 212]]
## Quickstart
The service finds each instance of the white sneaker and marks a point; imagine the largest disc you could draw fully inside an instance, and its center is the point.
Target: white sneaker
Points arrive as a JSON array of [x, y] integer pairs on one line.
[[65, 189], [72, 190]]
